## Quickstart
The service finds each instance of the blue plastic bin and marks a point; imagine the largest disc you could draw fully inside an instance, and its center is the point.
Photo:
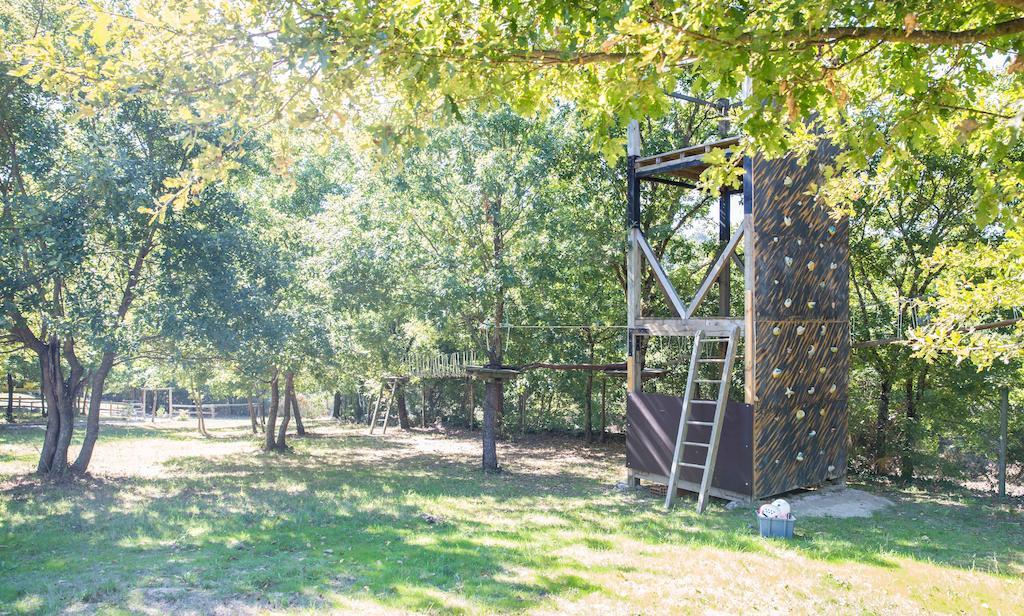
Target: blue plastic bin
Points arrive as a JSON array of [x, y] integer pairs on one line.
[[776, 528]]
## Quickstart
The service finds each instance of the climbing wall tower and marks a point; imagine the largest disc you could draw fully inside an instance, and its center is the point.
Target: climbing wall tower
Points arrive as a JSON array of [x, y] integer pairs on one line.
[[790, 430]]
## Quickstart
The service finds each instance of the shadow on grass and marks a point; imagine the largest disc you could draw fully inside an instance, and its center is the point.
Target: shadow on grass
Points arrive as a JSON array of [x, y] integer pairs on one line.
[[372, 519]]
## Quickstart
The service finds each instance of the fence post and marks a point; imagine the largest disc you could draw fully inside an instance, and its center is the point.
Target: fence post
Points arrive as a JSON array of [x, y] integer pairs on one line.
[[1004, 407]]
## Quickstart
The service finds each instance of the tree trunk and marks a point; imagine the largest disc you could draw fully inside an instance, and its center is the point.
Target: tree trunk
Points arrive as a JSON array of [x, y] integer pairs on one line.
[[470, 390], [588, 409], [282, 444], [336, 409], [423, 406], [60, 393], [523, 397], [493, 390], [492, 400], [588, 402], [907, 446], [910, 427], [275, 399], [300, 429], [604, 409], [92, 421], [197, 403], [252, 416], [882, 417], [10, 397], [403, 410]]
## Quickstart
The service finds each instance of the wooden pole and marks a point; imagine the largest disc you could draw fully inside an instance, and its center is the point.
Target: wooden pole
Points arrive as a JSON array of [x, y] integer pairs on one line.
[[633, 282], [10, 397], [1004, 408], [724, 224], [604, 408], [472, 403], [423, 405]]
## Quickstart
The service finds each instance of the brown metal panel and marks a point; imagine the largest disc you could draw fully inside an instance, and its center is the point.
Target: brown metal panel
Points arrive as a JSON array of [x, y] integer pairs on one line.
[[652, 421], [802, 346]]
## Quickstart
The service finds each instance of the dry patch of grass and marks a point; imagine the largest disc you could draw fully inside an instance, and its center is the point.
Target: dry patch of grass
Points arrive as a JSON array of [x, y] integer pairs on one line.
[[172, 522]]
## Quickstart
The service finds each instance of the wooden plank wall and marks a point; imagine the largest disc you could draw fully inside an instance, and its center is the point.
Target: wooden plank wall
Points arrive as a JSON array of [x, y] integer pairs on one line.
[[652, 421], [801, 322]]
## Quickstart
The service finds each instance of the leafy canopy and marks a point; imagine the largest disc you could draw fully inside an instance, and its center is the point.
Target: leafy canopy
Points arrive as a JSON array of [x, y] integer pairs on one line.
[[880, 79]]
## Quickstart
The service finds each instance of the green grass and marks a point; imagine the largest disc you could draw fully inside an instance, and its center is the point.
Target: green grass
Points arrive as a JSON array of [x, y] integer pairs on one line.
[[176, 523]]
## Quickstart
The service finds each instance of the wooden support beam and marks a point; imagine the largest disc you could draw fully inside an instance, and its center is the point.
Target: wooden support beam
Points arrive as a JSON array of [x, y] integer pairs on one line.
[[676, 304], [633, 380], [689, 486], [750, 329], [687, 327], [724, 277], [712, 276]]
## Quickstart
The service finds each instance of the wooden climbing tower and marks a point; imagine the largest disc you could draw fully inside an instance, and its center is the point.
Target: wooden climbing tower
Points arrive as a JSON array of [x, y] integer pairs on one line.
[[789, 430]]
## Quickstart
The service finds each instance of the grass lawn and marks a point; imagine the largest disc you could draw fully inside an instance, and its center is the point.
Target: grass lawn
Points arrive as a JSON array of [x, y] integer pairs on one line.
[[173, 522]]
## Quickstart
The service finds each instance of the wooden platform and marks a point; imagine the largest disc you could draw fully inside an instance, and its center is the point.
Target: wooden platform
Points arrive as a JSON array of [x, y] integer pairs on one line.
[[685, 162], [486, 372]]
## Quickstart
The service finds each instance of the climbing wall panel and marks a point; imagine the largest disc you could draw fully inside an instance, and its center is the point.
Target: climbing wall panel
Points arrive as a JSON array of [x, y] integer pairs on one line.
[[801, 327]]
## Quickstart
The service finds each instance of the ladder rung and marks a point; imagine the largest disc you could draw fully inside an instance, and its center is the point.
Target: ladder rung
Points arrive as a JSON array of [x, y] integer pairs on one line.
[[691, 465], [707, 380], [712, 360], [709, 340], [697, 444], [699, 423], [712, 401]]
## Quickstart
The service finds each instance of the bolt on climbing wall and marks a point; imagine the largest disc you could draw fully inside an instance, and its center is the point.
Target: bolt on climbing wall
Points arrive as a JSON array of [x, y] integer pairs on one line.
[[801, 323]]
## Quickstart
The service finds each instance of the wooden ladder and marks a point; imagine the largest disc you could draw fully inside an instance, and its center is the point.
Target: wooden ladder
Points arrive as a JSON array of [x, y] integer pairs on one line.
[[686, 420], [376, 420]]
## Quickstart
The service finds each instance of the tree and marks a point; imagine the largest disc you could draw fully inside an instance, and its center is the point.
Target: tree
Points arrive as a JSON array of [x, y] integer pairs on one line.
[[77, 250], [894, 241], [946, 75]]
